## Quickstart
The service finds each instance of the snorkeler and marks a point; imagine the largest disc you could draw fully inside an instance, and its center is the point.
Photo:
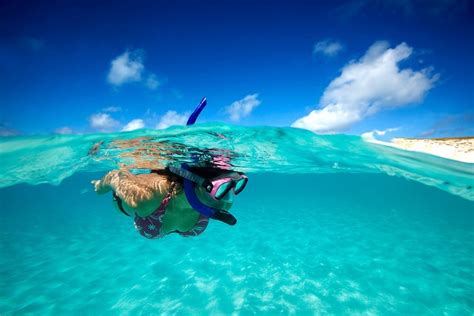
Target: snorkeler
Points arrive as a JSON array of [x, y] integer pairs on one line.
[[175, 199]]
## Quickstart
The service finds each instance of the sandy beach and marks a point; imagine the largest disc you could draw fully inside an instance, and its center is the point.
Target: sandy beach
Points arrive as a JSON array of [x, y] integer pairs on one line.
[[460, 149]]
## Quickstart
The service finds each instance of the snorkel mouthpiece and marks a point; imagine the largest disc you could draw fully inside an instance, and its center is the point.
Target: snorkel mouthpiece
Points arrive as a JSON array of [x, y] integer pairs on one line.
[[225, 217]]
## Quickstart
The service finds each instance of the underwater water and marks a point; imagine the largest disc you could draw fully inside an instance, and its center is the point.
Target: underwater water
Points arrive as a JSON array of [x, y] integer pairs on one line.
[[327, 225]]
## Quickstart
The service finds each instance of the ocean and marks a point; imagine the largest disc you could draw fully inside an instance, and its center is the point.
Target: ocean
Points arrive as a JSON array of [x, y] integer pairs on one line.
[[328, 225]]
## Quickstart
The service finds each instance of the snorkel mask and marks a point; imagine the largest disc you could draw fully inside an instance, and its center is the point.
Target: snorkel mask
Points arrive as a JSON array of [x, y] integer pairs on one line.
[[217, 187]]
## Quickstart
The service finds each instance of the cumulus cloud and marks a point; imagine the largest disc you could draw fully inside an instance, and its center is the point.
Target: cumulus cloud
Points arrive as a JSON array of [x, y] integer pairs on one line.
[[64, 130], [103, 122], [370, 136], [243, 107], [127, 67], [133, 125], [172, 118], [327, 47], [366, 86]]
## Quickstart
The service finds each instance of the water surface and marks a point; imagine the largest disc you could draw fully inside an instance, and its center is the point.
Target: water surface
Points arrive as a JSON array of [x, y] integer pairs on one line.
[[327, 225]]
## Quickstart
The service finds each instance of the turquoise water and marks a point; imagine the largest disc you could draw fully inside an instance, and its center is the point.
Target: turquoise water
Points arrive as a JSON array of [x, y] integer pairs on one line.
[[328, 225]]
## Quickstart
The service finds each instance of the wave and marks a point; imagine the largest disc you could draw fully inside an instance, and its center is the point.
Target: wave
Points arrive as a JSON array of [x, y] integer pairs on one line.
[[260, 149]]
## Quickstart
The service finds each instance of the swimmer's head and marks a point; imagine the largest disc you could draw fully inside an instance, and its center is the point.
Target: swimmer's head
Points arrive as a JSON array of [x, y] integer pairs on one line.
[[225, 203], [210, 190]]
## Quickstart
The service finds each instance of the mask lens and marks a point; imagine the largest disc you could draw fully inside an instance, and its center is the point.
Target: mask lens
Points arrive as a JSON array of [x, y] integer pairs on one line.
[[240, 185], [223, 189]]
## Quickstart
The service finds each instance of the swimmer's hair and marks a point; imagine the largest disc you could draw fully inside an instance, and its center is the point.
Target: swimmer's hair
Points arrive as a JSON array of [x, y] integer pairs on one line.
[[168, 180]]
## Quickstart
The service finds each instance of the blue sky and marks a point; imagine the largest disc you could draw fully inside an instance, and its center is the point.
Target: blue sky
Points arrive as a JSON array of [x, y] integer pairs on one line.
[[327, 66]]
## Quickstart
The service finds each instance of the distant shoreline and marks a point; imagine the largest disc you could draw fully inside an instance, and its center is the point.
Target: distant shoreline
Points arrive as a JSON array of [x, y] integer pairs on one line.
[[455, 148], [437, 138]]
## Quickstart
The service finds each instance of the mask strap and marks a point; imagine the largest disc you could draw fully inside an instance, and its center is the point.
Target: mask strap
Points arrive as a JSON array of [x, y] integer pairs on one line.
[[188, 175]]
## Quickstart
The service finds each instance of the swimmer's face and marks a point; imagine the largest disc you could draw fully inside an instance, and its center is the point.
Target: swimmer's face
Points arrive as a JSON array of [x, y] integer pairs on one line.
[[223, 204]]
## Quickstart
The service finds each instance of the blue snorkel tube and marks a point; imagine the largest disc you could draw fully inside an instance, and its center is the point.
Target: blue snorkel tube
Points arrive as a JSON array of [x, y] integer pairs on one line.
[[189, 186], [193, 117]]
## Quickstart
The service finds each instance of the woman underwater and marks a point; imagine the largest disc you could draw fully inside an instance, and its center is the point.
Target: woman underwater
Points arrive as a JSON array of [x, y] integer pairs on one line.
[[175, 199]]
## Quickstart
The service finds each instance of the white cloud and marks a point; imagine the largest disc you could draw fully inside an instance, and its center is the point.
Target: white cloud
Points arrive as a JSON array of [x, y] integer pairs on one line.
[[370, 136], [63, 130], [152, 82], [367, 86], [127, 67], [243, 107], [103, 121], [327, 47], [133, 125], [112, 109], [172, 118]]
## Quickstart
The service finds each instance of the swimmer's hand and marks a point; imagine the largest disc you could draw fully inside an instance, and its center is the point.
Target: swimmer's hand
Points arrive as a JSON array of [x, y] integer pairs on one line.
[[100, 187], [109, 182]]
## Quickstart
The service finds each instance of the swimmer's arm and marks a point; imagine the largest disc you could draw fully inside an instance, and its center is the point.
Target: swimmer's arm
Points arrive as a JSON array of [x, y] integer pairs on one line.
[[128, 187], [104, 185]]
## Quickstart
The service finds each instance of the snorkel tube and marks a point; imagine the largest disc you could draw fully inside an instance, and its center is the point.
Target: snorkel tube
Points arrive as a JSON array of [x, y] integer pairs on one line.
[[193, 117], [190, 187]]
